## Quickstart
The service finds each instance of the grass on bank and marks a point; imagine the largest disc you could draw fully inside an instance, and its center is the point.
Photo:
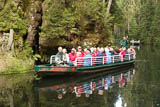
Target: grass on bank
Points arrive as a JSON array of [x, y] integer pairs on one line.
[[10, 64]]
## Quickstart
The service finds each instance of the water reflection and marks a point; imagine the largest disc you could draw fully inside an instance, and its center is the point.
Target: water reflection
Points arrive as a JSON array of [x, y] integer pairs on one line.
[[119, 102], [102, 88], [16, 90], [128, 87]]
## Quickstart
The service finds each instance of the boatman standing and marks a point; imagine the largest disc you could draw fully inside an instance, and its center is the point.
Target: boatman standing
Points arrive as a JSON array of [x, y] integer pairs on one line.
[[124, 42]]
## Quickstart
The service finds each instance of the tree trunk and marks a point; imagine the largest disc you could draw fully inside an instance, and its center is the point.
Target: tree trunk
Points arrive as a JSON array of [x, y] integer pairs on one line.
[[109, 6], [128, 23], [10, 40], [35, 16], [156, 1]]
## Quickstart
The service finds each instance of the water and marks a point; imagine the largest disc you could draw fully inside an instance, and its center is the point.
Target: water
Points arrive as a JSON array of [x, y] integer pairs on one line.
[[140, 87]]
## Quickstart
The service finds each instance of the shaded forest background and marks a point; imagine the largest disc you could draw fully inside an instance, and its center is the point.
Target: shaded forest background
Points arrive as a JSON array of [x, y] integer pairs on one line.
[[29, 26]]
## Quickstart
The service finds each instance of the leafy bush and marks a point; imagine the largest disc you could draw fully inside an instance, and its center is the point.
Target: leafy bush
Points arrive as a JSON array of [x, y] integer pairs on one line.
[[10, 64]]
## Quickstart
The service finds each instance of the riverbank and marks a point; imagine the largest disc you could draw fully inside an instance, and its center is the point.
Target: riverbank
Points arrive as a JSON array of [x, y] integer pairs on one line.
[[10, 64]]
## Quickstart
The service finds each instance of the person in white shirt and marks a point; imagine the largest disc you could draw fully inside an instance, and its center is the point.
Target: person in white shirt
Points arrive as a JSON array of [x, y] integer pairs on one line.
[[66, 57]]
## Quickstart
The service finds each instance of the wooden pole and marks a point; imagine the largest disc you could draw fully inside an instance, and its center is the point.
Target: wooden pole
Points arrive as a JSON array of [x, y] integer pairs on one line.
[[10, 40]]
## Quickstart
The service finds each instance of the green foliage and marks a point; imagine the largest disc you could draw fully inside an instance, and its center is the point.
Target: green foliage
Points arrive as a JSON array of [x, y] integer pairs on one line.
[[146, 17], [11, 84], [11, 17], [134, 32], [129, 9], [74, 22], [144, 24], [156, 24], [58, 23], [25, 52], [13, 64], [36, 57]]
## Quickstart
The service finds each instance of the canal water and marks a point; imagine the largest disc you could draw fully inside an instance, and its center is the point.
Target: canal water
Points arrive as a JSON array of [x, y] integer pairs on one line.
[[137, 86]]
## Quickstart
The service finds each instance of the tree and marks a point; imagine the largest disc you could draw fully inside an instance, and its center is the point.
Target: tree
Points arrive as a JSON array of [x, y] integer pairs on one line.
[[11, 17], [75, 22], [12, 20], [35, 17], [58, 22], [156, 24], [146, 18], [109, 6]]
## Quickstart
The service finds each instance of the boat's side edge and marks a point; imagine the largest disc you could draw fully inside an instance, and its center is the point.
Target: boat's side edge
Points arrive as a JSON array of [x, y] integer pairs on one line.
[[44, 69], [81, 69]]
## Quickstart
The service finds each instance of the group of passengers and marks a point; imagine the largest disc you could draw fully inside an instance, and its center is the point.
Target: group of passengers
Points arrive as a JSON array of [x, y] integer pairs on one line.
[[83, 58]]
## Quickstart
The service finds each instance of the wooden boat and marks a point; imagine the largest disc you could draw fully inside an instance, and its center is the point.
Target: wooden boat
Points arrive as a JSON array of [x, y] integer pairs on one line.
[[98, 64]]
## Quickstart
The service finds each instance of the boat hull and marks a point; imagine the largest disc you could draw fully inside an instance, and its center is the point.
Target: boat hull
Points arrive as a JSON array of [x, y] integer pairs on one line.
[[49, 70]]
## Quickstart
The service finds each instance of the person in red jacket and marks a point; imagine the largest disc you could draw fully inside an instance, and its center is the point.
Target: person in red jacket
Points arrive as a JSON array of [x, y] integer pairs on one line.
[[122, 53], [72, 57], [79, 59]]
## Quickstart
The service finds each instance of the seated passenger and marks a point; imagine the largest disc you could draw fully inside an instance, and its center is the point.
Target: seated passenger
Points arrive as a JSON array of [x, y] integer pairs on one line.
[[79, 59], [93, 54], [108, 54], [132, 51], [97, 50], [94, 51], [112, 51], [99, 57], [66, 57], [80, 50], [85, 51], [72, 57], [59, 56], [122, 53], [87, 59], [114, 54]]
